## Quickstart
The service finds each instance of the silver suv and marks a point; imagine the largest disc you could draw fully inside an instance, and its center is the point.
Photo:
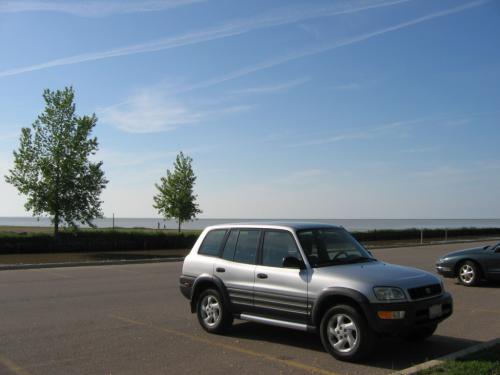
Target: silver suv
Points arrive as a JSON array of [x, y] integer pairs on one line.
[[310, 277]]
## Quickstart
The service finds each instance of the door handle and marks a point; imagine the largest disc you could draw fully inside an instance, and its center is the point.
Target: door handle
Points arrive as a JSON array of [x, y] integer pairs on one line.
[[262, 276], [220, 269]]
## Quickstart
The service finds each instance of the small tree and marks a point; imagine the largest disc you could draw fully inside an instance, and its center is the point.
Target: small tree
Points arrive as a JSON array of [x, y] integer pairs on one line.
[[52, 166], [175, 198]]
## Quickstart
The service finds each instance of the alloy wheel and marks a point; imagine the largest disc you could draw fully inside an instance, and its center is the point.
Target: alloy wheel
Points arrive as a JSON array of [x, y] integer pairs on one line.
[[466, 274], [210, 310], [342, 333]]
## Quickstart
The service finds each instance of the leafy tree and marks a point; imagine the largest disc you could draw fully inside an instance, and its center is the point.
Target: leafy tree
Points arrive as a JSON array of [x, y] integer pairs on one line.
[[52, 166], [175, 198]]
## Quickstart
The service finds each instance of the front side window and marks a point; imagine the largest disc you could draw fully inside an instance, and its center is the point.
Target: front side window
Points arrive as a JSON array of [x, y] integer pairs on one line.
[[331, 246], [246, 246], [277, 246], [212, 243]]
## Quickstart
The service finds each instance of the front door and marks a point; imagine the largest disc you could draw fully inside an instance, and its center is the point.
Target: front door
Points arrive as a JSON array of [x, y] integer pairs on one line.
[[493, 263], [280, 293]]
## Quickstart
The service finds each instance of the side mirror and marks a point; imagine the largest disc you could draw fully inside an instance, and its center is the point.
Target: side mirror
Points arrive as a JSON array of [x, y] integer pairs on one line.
[[292, 262], [369, 252]]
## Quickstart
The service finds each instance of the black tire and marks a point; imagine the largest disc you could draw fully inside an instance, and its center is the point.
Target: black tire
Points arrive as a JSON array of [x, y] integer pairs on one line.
[[468, 273], [213, 315], [332, 332], [420, 334]]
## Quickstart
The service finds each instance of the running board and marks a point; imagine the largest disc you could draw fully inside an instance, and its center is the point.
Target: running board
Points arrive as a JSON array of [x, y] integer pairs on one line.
[[276, 322]]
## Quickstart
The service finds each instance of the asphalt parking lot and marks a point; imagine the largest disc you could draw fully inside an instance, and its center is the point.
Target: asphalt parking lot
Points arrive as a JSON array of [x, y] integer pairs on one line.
[[133, 320]]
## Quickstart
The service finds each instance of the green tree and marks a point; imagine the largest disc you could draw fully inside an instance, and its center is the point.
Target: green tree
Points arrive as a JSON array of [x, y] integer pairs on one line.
[[175, 198], [52, 166]]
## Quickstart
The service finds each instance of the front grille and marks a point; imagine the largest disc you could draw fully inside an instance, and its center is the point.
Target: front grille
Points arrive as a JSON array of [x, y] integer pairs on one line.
[[425, 291]]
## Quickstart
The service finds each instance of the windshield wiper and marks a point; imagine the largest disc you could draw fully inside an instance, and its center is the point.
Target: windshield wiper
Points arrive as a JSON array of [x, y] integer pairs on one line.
[[358, 259], [336, 262]]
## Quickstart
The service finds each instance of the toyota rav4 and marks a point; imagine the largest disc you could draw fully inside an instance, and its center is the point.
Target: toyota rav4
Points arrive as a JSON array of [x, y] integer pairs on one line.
[[310, 277]]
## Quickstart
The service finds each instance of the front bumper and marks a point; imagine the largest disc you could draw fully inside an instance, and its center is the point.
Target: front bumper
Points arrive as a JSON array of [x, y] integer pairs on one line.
[[445, 270], [417, 314]]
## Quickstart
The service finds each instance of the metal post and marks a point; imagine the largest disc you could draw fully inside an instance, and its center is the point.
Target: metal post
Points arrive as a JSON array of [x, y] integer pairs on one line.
[[113, 221], [446, 234], [421, 236]]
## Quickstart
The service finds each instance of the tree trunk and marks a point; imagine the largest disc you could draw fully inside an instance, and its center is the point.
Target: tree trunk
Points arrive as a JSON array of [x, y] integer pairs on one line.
[[56, 225], [180, 222]]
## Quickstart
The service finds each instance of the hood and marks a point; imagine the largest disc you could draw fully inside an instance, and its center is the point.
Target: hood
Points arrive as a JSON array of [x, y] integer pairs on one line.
[[376, 274], [475, 250]]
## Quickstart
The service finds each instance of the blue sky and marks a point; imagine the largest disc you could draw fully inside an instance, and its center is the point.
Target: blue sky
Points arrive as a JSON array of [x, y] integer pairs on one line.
[[290, 109]]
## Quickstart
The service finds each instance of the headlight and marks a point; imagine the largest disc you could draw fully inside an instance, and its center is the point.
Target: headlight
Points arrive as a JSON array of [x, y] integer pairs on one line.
[[385, 293]]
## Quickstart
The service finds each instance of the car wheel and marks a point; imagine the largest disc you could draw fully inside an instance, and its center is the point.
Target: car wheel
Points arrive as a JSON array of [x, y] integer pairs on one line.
[[468, 273], [345, 333], [213, 316], [421, 333]]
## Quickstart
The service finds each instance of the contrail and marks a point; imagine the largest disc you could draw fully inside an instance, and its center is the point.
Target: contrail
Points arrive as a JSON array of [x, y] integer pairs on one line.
[[328, 47], [233, 28]]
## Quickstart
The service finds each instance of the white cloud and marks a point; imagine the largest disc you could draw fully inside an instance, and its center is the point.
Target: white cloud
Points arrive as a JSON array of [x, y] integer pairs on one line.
[[366, 133], [148, 112], [236, 27], [151, 111], [271, 89], [92, 8]]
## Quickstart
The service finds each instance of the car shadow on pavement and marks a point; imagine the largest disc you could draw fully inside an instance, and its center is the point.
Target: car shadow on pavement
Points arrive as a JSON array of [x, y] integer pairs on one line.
[[389, 353], [397, 354], [486, 284]]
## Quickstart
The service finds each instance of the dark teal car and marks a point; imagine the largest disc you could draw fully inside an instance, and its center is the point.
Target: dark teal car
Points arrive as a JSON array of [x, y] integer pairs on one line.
[[470, 266]]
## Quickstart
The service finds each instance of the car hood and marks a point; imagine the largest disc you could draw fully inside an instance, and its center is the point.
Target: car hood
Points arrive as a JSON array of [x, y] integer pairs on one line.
[[375, 274], [475, 250]]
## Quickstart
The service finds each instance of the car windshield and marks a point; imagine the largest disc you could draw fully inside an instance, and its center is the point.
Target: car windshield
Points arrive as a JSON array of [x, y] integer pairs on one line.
[[332, 246]]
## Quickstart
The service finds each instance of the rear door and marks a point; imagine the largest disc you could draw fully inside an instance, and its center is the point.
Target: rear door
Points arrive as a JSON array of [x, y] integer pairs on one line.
[[236, 267], [280, 293]]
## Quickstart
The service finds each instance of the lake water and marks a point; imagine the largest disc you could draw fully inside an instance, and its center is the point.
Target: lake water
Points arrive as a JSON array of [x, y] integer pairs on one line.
[[350, 224]]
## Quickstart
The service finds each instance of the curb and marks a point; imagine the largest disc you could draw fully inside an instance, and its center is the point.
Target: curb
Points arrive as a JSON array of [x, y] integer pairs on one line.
[[89, 263], [449, 357]]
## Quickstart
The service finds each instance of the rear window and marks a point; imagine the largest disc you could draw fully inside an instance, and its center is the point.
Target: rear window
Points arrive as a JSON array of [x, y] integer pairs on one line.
[[212, 243]]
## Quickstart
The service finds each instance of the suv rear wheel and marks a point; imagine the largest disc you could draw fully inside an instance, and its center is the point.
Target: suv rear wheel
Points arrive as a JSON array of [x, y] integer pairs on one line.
[[213, 316], [345, 334]]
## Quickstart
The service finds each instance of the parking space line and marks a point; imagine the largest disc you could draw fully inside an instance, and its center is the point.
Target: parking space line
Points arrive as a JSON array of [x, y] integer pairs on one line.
[[287, 362], [12, 366]]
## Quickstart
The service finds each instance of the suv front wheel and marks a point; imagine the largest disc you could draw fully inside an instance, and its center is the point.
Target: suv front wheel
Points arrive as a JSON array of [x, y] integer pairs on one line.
[[213, 316], [345, 334]]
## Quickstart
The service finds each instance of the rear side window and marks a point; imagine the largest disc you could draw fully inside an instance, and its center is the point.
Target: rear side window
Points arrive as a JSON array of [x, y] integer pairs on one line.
[[246, 246], [230, 246], [212, 243]]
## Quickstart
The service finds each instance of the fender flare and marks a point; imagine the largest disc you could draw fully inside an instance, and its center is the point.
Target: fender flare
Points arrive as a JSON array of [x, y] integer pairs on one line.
[[360, 299], [207, 278]]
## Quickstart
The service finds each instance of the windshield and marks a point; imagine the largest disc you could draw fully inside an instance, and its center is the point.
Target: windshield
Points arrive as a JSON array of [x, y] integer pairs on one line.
[[331, 246]]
